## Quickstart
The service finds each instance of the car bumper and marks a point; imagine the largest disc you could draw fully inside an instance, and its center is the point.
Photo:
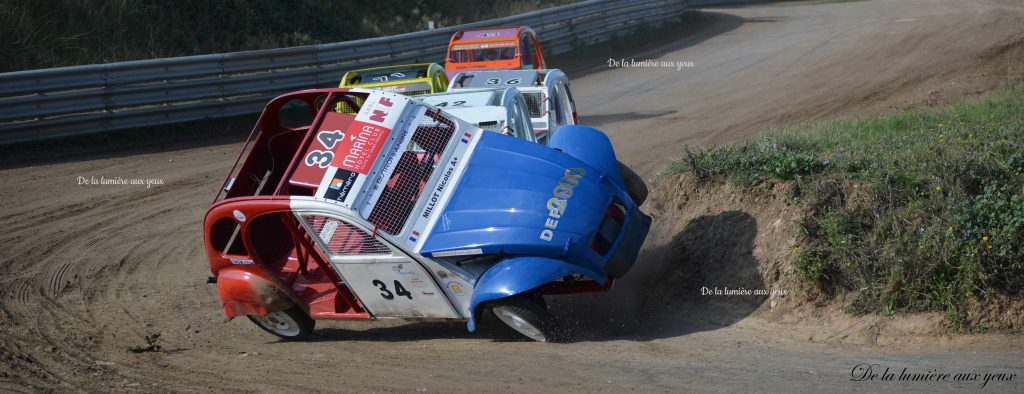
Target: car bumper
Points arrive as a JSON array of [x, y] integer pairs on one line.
[[625, 253]]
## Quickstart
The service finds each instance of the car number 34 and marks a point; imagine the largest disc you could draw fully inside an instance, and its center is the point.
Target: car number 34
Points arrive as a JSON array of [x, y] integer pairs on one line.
[[387, 294]]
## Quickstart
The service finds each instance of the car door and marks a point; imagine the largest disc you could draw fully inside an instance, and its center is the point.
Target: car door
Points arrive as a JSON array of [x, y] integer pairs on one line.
[[538, 54], [386, 280], [526, 51]]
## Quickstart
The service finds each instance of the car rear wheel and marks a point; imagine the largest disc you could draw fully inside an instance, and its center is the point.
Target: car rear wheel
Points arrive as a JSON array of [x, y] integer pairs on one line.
[[635, 185], [292, 324], [527, 317]]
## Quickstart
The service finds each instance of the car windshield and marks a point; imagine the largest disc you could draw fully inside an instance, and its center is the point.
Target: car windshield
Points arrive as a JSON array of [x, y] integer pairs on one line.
[[483, 52], [389, 74], [464, 99]]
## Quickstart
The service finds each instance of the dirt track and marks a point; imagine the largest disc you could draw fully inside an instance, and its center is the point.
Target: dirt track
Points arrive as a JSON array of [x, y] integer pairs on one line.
[[88, 272]]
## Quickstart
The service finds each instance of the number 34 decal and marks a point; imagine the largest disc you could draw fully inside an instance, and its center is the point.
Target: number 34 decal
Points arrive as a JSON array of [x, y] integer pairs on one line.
[[328, 139], [387, 294]]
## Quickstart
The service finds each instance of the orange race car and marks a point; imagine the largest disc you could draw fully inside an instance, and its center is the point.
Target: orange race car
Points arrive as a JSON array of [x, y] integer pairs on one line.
[[498, 48]]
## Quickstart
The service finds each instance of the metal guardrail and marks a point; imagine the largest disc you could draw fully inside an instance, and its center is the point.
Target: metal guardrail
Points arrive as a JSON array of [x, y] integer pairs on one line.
[[56, 102]]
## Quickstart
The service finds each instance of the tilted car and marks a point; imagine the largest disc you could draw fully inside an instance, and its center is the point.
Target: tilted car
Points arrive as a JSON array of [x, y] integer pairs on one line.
[[404, 211], [502, 110], [407, 79], [495, 48], [548, 97]]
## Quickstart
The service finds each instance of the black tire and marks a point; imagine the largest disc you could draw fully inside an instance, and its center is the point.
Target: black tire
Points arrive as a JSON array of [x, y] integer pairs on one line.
[[635, 185], [527, 317], [292, 324]]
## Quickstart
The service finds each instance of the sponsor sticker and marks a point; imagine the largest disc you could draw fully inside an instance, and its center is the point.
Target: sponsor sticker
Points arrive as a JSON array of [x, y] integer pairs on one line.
[[340, 184], [239, 215], [455, 288], [242, 261], [359, 151]]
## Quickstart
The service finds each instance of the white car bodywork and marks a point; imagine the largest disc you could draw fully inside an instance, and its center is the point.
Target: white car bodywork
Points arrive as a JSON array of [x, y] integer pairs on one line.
[[546, 92], [502, 110]]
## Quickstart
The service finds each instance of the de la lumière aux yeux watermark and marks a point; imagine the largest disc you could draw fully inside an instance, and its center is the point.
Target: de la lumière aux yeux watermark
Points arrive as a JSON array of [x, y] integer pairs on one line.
[[877, 373], [118, 181], [648, 63]]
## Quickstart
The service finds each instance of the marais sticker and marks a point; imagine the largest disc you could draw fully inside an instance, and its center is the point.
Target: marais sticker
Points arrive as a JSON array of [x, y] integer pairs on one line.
[[460, 252], [242, 261]]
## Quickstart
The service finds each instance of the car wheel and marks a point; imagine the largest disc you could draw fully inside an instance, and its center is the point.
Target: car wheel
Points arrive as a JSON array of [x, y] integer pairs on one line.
[[635, 185], [527, 317], [292, 324]]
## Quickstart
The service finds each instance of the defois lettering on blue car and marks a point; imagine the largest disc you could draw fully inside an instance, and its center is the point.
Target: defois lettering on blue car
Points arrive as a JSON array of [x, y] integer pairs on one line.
[[560, 201]]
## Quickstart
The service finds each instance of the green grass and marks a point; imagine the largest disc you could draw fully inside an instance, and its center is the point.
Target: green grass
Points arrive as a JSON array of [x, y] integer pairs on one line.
[[936, 220]]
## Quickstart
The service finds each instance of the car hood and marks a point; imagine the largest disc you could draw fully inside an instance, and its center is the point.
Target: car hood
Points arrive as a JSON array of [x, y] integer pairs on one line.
[[520, 198]]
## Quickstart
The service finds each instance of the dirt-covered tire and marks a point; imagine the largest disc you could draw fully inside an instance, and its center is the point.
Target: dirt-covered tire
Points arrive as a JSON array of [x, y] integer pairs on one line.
[[291, 324], [635, 185], [527, 317]]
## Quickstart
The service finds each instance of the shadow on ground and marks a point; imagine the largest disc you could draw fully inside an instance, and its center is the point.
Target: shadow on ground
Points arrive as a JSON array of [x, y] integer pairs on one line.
[[663, 296]]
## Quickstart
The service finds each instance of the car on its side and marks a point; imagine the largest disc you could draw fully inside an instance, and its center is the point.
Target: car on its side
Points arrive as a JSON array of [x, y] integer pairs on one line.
[[548, 96], [494, 48], [403, 211], [502, 110]]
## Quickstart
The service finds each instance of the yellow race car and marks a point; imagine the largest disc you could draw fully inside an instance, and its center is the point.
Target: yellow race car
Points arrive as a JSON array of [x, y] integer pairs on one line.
[[406, 79]]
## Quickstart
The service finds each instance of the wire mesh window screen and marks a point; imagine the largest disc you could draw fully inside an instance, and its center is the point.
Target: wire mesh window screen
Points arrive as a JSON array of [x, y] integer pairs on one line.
[[534, 103], [344, 239], [413, 171]]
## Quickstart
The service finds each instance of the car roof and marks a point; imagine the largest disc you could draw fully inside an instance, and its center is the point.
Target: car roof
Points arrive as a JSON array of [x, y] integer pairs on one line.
[[494, 33], [473, 97], [479, 79]]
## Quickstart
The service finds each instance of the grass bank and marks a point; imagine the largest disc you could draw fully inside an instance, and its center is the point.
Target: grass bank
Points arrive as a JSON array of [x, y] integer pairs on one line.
[[912, 211]]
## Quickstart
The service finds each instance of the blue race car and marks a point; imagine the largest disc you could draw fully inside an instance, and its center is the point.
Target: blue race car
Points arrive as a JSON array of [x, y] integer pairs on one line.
[[403, 211]]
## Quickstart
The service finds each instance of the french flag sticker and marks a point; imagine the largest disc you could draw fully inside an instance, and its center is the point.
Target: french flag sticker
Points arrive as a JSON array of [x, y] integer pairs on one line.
[[466, 137], [414, 236]]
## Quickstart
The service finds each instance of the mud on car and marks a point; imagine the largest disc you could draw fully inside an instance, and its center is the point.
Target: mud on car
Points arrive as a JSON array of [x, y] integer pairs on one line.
[[404, 211]]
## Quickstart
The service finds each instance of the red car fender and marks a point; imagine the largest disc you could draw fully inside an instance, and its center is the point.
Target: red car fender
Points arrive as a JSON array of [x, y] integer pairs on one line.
[[245, 290]]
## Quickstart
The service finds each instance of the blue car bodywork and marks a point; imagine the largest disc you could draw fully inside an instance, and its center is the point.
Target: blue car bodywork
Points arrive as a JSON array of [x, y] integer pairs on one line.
[[542, 206]]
